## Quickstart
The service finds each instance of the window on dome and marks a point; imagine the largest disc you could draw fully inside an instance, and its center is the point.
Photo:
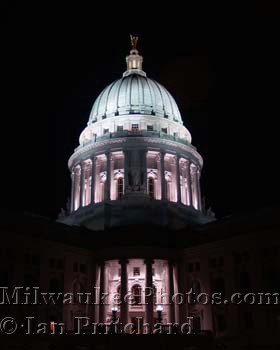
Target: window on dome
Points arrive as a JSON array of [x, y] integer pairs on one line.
[[151, 187], [164, 130], [150, 128], [120, 188], [120, 128], [135, 127]]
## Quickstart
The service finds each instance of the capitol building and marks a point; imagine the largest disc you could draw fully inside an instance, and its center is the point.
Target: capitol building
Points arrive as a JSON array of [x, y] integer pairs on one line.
[[137, 237], [135, 164]]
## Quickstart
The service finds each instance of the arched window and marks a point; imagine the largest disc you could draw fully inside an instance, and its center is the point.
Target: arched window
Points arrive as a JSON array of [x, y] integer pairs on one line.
[[136, 292], [151, 187], [119, 188]]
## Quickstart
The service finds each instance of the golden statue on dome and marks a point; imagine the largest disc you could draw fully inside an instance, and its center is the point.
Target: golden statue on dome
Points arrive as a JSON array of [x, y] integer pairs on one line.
[[133, 40]]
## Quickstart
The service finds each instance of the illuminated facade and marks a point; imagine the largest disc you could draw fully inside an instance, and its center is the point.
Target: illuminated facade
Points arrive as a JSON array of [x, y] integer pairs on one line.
[[137, 235], [135, 165]]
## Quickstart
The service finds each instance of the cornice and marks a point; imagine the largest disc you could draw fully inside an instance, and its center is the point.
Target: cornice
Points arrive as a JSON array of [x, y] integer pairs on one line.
[[95, 147]]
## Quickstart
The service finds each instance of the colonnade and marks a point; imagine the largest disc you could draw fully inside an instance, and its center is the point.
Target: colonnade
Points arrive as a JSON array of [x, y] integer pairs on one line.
[[110, 175], [174, 313]]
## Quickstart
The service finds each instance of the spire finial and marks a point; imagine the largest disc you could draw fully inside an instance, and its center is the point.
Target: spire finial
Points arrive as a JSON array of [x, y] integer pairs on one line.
[[133, 40], [134, 60]]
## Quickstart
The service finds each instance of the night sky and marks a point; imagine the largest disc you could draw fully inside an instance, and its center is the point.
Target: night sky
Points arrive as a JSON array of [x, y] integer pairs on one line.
[[223, 74]]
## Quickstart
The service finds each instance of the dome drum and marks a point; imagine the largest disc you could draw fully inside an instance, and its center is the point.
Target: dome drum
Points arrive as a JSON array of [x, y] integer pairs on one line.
[[131, 172]]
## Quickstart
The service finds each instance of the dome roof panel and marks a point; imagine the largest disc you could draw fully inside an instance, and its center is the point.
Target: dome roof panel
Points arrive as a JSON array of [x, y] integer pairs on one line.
[[135, 93]]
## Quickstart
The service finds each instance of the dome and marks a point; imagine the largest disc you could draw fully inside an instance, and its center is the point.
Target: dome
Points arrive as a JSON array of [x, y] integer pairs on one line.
[[135, 93]]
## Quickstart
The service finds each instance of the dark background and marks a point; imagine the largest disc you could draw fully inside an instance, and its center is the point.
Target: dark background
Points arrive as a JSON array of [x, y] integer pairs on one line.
[[221, 66]]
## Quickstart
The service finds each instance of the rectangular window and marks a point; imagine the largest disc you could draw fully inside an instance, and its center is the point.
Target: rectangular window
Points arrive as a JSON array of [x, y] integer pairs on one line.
[[120, 128], [136, 271], [135, 127], [164, 130], [150, 128]]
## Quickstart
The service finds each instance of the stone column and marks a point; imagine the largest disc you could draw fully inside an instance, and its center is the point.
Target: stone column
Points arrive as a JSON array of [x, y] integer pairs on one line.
[[158, 187], [82, 184], [179, 200], [162, 176], [173, 196], [198, 188], [108, 176], [101, 291], [97, 180], [184, 193], [113, 191], [92, 199], [189, 183], [126, 170], [72, 189], [171, 291], [149, 295], [182, 286], [194, 186], [124, 305]]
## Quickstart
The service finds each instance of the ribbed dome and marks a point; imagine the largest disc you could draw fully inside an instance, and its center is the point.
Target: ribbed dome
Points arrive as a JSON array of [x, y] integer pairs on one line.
[[134, 93]]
